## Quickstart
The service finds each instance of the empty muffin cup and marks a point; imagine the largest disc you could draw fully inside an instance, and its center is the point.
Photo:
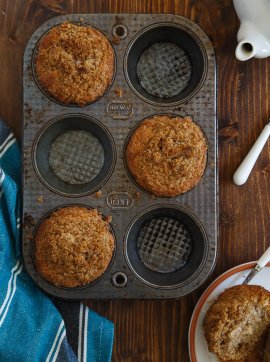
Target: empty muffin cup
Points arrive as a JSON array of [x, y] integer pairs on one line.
[[73, 155], [166, 246], [165, 64], [73, 246]]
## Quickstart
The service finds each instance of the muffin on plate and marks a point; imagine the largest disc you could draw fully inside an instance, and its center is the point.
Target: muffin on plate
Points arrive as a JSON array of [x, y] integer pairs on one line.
[[236, 324], [73, 246], [74, 63], [167, 155]]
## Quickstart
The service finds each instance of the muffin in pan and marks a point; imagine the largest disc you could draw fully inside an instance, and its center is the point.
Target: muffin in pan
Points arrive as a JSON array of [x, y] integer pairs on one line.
[[73, 246], [237, 323], [74, 63], [167, 155]]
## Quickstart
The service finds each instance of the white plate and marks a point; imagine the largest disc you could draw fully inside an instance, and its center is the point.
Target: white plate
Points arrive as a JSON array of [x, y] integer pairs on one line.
[[198, 350]]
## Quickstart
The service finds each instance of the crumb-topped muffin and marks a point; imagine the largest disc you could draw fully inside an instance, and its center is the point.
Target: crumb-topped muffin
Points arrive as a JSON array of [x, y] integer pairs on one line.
[[236, 324], [74, 63], [167, 155], [73, 246]]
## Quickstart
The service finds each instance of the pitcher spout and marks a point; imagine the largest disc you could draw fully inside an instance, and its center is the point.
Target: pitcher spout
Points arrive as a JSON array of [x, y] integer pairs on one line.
[[251, 43], [245, 50]]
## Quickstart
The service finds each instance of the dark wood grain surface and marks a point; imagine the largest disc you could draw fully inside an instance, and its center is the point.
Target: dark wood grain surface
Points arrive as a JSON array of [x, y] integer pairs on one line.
[[157, 330]]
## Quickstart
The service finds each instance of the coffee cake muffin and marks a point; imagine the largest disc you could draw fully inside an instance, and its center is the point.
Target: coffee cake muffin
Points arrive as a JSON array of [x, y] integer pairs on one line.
[[73, 246], [74, 63], [236, 324], [167, 155]]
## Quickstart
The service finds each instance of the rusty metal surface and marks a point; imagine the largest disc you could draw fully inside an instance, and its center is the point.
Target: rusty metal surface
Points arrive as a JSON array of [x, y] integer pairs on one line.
[[120, 110]]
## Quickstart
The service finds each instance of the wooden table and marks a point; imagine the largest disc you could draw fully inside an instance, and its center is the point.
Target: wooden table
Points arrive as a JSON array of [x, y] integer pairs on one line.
[[157, 330]]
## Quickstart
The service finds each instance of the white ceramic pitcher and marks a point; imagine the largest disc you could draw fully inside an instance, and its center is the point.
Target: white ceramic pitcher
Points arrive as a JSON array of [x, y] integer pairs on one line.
[[254, 32]]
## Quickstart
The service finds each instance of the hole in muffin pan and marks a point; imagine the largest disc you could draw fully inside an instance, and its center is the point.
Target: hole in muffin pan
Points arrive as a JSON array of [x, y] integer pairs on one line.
[[48, 286], [73, 155], [119, 279], [128, 138], [165, 64], [120, 31], [44, 91], [166, 246]]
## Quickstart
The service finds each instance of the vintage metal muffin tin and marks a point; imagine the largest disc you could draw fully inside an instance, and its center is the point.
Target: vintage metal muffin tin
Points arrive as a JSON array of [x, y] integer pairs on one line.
[[165, 247]]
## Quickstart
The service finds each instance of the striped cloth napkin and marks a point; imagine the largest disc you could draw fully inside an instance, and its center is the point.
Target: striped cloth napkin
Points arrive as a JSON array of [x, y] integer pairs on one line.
[[32, 327]]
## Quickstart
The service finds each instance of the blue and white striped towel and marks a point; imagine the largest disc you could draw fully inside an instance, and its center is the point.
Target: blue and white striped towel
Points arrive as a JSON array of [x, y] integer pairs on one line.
[[31, 327]]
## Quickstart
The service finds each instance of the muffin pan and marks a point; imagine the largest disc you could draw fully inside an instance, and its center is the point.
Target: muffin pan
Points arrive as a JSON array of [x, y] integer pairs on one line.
[[165, 247]]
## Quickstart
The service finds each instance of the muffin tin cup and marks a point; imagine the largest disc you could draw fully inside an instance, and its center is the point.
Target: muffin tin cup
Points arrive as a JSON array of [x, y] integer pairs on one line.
[[113, 191], [192, 49], [43, 283], [132, 178], [170, 233], [45, 92], [59, 126]]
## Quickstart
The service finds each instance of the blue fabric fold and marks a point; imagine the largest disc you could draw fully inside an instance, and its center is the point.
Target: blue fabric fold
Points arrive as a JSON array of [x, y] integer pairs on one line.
[[31, 327]]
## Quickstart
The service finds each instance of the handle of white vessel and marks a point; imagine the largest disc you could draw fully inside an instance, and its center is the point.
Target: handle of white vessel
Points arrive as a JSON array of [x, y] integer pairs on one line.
[[242, 173]]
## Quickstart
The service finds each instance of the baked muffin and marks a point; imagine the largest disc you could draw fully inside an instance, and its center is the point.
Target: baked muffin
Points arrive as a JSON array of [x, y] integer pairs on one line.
[[236, 324], [74, 63], [73, 246], [167, 155]]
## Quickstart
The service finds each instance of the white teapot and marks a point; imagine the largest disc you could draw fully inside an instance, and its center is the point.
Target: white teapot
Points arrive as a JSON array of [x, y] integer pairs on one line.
[[254, 32]]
